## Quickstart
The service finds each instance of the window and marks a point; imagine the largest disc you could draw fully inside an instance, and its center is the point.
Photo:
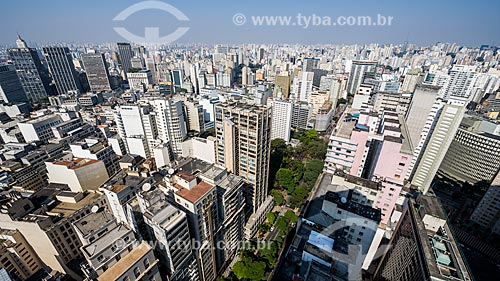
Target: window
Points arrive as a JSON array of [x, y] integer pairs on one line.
[[137, 272], [146, 263]]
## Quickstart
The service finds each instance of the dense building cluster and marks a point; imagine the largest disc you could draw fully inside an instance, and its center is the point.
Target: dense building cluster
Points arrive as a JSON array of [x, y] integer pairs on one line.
[[125, 162]]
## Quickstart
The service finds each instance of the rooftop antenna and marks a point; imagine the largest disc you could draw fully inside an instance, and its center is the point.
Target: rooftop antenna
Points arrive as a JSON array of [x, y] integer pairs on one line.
[[94, 209], [146, 187]]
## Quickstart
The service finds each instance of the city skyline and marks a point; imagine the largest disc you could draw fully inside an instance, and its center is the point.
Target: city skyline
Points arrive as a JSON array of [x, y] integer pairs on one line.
[[450, 21]]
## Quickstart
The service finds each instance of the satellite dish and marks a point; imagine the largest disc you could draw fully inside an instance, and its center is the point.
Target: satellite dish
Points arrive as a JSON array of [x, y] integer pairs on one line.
[[94, 209], [343, 200], [171, 171], [146, 187]]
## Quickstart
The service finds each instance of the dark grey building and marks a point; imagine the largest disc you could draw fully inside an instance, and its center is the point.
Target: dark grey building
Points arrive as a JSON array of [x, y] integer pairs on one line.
[[126, 54], [97, 72], [11, 90], [32, 74], [62, 69]]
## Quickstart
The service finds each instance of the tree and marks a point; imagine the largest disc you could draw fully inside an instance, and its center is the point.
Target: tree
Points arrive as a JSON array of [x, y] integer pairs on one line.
[[271, 217], [278, 197], [250, 269], [282, 225], [296, 167], [285, 179], [278, 151], [310, 135], [291, 216], [299, 195], [312, 170]]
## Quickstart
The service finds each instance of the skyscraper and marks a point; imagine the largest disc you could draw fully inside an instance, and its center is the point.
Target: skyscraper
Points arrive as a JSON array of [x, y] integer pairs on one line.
[[126, 54], [437, 145], [62, 69], [282, 119], [11, 90], [358, 70], [33, 76], [461, 82], [97, 72], [422, 246], [244, 143]]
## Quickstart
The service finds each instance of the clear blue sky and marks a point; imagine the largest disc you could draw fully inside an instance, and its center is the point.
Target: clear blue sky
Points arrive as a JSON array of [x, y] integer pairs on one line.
[[422, 22]]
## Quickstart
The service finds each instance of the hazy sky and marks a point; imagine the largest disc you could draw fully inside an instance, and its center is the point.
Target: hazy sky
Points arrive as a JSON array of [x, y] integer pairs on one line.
[[422, 22]]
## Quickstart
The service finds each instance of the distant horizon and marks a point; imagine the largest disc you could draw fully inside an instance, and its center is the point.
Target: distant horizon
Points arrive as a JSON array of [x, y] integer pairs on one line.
[[422, 23]]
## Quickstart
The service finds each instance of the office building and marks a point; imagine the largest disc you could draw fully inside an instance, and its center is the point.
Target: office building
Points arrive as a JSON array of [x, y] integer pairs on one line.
[[357, 73], [422, 246], [428, 162], [62, 70], [32, 74], [126, 54], [243, 133], [39, 129], [474, 153], [11, 90], [283, 82], [487, 212], [281, 119], [420, 108], [140, 80], [97, 72]]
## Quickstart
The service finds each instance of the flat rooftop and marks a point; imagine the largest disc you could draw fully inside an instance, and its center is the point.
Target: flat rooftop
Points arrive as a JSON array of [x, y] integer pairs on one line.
[[67, 209], [126, 263], [194, 194], [93, 221]]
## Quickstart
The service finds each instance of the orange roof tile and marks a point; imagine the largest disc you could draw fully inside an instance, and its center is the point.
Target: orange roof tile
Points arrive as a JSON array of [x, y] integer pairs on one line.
[[194, 194]]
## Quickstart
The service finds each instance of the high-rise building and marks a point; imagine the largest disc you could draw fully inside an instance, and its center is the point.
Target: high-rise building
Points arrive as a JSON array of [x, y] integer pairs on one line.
[[461, 83], [140, 80], [437, 144], [170, 123], [108, 259], [356, 75], [474, 153], [137, 126], [422, 246], [419, 109], [62, 69], [283, 82], [302, 86], [97, 72], [11, 90], [33, 76], [243, 133], [281, 120], [310, 64], [126, 54], [487, 212]]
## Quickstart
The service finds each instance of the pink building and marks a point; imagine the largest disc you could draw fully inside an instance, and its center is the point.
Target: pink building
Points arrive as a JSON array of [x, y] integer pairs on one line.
[[387, 198]]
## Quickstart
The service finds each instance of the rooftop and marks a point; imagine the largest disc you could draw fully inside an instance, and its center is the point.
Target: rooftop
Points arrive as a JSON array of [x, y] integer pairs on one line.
[[93, 221], [77, 163], [194, 194], [66, 209], [126, 263], [353, 207]]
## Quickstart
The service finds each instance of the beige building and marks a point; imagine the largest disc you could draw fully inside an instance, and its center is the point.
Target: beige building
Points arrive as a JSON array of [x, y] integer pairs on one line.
[[79, 174], [243, 134], [48, 228], [17, 256]]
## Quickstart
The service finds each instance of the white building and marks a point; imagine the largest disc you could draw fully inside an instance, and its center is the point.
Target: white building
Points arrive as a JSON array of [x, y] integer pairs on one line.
[[139, 80], [79, 174], [302, 86], [281, 122]]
